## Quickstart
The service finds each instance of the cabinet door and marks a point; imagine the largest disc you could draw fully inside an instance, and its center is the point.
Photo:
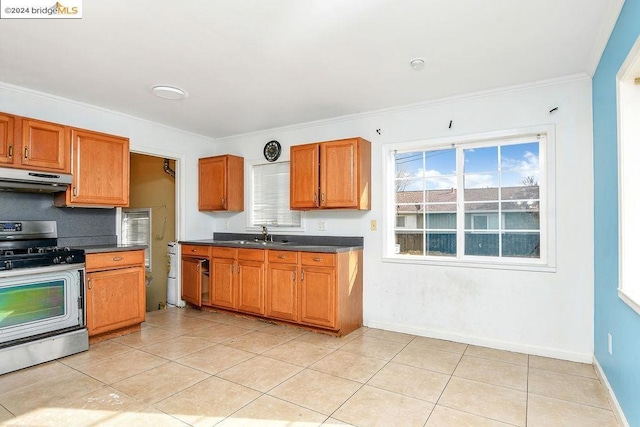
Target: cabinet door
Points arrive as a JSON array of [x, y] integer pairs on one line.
[[281, 293], [192, 280], [212, 184], [304, 180], [222, 281], [115, 299], [6, 139], [100, 170], [45, 146], [318, 296], [338, 174], [251, 286]]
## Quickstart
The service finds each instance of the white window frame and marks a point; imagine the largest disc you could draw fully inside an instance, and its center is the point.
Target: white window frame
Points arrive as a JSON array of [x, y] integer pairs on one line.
[[628, 109], [547, 260], [272, 229]]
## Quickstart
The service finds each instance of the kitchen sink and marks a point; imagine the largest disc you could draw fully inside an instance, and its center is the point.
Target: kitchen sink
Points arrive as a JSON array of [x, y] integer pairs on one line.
[[256, 242]]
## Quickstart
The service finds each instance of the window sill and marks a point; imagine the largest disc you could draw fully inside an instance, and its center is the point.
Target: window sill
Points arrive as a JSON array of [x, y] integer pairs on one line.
[[470, 264], [631, 299]]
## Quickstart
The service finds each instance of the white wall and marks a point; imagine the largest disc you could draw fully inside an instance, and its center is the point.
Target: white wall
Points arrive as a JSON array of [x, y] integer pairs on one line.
[[145, 137], [537, 312]]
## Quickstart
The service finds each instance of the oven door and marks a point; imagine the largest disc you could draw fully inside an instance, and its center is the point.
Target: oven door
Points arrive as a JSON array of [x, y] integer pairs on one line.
[[39, 301]]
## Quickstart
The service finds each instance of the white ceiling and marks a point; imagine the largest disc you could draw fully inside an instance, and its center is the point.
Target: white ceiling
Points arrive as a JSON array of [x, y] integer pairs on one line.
[[250, 65]]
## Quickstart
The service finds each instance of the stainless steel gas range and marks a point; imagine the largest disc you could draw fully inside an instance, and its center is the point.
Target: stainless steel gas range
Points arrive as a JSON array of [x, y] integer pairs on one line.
[[42, 315]]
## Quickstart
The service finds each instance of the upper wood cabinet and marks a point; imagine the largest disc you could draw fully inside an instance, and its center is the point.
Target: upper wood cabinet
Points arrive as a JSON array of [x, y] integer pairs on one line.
[[34, 144], [100, 170], [44, 146], [6, 139], [221, 183], [331, 175]]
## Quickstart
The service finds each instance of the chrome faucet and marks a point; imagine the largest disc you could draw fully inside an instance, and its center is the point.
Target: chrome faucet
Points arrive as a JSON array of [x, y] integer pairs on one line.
[[265, 233]]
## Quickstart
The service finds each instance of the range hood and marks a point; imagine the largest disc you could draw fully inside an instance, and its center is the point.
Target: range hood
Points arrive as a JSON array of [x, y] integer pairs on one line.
[[33, 181]]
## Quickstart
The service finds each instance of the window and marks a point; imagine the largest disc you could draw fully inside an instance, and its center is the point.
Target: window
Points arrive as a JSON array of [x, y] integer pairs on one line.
[[628, 178], [270, 197], [136, 230], [477, 201]]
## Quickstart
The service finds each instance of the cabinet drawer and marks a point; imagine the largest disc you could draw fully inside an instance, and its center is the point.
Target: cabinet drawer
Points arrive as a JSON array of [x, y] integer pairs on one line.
[[219, 252], [195, 250], [109, 260], [320, 259], [284, 257], [251, 254]]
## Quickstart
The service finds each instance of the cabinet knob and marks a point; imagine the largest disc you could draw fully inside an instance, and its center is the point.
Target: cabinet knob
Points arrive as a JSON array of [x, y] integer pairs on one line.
[[294, 276], [315, 198], [26, 152], [302, 275], [75, 191], [89, 283], [223, 201], [11, 151], [317, 259], [117, 258], [282, 256], [322, 197]]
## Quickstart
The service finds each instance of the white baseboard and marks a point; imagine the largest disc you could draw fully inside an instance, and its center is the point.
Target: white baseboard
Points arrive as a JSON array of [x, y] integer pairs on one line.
[[485, 342], [613, 401]]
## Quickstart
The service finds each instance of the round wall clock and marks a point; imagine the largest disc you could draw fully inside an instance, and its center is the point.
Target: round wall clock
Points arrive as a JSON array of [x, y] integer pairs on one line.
[[272, 150]]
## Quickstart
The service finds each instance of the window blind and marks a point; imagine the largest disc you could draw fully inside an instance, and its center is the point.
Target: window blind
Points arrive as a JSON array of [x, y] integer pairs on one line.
[[270, 184]]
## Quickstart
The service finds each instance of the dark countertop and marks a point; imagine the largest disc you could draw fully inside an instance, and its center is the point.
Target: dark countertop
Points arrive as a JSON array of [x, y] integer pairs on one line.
[[94, 249], [325, 244]]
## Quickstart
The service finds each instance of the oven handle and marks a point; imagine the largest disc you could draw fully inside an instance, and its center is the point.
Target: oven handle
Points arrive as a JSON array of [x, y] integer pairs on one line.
[[37, 270]]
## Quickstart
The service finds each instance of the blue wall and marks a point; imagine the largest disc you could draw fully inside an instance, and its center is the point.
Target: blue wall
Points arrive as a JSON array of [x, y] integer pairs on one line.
[[611, 313]]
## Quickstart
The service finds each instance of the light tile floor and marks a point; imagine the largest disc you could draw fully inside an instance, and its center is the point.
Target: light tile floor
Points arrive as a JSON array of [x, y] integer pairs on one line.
[[188, 367]]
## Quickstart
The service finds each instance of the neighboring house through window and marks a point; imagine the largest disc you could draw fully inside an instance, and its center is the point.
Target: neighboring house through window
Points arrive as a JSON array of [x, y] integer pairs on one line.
[[475, 200]]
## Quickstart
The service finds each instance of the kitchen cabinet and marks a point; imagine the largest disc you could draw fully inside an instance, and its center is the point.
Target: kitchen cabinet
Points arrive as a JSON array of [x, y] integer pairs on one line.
[[221, 183], [250, 266], [331, 175], [282, 285], [317, 290], [318, 301], [115, 290], [44, 146], [33, 144], [6, 139], [223, 289], [195, 275], [100, 169]]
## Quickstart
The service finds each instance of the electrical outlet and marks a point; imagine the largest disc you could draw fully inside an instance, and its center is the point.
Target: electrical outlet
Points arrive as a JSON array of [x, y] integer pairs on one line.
[[374, 225], [226, 224], [610, 344], [321, 226]]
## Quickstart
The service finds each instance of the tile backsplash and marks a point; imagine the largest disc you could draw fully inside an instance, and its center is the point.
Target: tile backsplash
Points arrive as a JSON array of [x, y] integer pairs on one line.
[[76, 226]]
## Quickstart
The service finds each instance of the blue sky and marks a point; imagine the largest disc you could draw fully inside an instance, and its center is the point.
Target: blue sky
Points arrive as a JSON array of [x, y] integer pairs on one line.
[[481, 167]]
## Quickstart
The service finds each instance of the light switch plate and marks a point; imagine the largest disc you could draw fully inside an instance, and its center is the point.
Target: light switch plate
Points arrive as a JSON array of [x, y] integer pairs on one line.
[[374, 225]]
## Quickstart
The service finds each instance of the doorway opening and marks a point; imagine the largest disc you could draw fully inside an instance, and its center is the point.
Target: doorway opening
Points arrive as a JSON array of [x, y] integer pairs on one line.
[[150, 219]]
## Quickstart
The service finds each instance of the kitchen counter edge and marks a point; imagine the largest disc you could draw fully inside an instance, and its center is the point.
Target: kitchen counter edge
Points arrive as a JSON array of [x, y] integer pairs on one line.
[[276, 247], [109, 248]]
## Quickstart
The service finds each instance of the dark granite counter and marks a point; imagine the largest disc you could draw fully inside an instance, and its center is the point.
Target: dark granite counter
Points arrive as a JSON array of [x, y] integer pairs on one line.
[[94, 249], [325, 244]]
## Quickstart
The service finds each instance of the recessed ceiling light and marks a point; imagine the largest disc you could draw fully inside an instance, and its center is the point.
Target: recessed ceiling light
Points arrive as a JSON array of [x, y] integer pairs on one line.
[[169, 92], [417, 64]]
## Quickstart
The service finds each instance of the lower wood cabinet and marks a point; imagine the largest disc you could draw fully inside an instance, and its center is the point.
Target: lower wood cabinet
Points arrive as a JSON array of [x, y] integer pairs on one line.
[[318, 290], [115, 290], [250, 267], [282, 292]]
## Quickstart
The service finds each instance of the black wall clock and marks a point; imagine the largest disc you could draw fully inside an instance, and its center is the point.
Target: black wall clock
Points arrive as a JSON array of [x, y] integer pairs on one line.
[[272, 150]]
